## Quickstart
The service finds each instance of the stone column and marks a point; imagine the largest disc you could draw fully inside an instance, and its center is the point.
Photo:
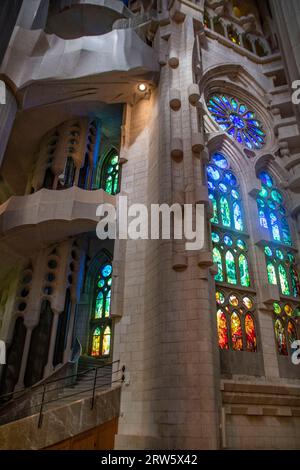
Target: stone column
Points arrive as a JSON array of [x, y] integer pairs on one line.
[[8, 110]]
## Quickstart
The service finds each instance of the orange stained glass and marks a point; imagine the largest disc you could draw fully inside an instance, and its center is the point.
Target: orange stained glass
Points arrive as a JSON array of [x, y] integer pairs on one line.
[[236, 332], [96, 342], [280, 338], [222, 330], [106, 341], [250, 333]]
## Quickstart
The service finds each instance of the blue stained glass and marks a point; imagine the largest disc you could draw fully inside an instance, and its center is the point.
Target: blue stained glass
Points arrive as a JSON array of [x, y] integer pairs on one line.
[[237, 217], [213, 173], [228, 240], [233, 116], [275, 228], [225, 212], [271, 205], [235, 194], [211, 185], [262, 219], [220, 161], [106, 270], [215, 237], [260, 202], [266, 179], [223, 187], [230, 178]]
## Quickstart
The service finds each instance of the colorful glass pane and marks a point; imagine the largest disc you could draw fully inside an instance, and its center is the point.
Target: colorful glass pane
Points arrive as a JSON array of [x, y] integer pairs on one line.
[[106, 341], [268, 251], [233, 300], [291, 332], [241, 244], [215, 218], [274, 227], [236, 332], [213, 173], [228, 240], [288, 310], [220, 161], [295, 281], [237, 217], [262, 218], [99, 305], [266, 179], [250, 333], [230, 268], [106, 270], [107, 304], [96, 342], [217, 259], [110, 174], [277, 308], [271, 273], [284, 283], [220, 297], [280, 338], [235, 119], [225, 212], [247, 302], [222, 330], [215, 237], [244, 271]]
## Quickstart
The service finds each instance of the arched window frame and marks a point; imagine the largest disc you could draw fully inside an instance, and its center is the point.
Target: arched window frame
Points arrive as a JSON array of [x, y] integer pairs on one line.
[[286, 312], [104, 321], [229, 239], [104, 165]]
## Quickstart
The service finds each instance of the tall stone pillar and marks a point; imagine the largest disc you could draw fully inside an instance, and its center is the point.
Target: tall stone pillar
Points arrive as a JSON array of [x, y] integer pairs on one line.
[[8, 110]]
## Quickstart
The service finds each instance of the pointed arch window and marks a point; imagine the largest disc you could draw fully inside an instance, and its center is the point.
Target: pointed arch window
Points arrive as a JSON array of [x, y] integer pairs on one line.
[[286, 326], [101, 327], [235, 311], [110, 173]]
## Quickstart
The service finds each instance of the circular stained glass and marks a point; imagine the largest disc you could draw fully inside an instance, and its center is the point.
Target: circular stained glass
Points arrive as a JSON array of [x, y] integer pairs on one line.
[[247, 302], [220, 297], [212, 173], [215, 237], [233, 300], [279, 254], [106, 270], [235, 119], [101, 283], [223, 187], [288, 310], [241, 244], [266, 179], [228, 240], [230, 178], [235, 194], [268, 251], [277, 308], [276, 196], [220, 161]]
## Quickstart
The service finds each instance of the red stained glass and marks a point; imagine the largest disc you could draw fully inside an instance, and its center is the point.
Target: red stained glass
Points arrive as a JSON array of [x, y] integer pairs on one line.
[[236, 332], [222, 330], [250, 333]]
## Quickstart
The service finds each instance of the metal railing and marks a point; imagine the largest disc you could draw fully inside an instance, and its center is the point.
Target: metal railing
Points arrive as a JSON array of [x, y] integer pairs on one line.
[[40, 390]]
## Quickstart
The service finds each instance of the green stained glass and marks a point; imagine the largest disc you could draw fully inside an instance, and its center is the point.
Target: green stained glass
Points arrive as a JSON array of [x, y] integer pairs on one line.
[[217, 259], [244, 271], [225, 212], [99, 305], [108, 185], [276, 196], [107, 304], [114, 160], [271, 274], [268, 251], [284, 284], [263, 193], [260, 202], [110, 174], [230, 268], [277, 308], [294, 281], [241, 244], [279, 254], [215, 218], [215, 237]]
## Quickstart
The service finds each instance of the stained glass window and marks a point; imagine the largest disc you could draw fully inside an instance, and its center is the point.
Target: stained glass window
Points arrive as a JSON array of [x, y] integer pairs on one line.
[[237, 121], [271, 210], [110, 173], [281, 270], [100, 321], [235, 310], [286, 317]]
